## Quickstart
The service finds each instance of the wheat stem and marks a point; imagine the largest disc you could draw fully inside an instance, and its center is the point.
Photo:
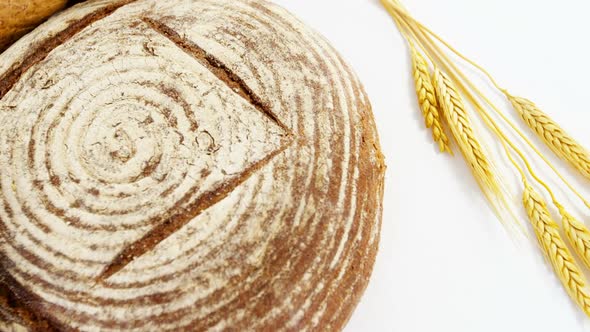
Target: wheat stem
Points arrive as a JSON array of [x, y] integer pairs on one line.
[[399, 8]]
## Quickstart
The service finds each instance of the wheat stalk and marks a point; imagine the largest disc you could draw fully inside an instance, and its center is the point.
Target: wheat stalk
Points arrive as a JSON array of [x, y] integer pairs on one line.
[[458, 120], [427, 100], [577, 233], [553, 135], [554, 248]]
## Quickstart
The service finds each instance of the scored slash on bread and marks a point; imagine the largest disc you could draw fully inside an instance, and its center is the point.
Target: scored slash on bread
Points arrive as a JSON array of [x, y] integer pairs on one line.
[[173, 223]]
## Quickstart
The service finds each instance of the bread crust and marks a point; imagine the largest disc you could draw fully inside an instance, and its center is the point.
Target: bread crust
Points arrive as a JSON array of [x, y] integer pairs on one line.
[[182, 165], [18, 17]]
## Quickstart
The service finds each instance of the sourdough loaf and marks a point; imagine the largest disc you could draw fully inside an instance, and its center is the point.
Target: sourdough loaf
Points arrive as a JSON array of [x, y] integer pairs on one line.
[[183, 165], [18, 17]]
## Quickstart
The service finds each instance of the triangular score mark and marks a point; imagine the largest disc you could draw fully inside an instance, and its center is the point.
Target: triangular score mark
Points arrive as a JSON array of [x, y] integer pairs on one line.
[[175, 222]]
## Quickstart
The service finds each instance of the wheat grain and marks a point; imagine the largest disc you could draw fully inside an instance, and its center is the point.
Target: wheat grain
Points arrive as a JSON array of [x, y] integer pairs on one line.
[[458, 120], [554, 248], [427, 100], [553, 135], [578, 235]]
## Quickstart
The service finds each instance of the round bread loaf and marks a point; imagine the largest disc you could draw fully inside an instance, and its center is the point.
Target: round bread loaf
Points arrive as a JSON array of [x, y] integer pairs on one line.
[[18, 17], [183, 165]]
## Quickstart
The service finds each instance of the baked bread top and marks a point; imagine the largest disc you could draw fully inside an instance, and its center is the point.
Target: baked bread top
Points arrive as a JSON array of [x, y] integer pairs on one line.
[[184, 165]]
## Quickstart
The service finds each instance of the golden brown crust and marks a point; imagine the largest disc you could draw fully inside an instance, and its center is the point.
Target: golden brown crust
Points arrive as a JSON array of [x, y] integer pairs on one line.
[[18, 17], [186, 165]]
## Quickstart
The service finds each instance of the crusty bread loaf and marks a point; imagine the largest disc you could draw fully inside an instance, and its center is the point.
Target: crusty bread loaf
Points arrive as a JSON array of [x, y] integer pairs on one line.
[[183, 165], [18, 17]]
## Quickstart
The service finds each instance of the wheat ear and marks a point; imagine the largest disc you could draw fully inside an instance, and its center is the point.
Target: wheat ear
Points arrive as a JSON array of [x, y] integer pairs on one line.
[[578, 235], [427, 100], [555, 137], [554, 248], [458, 120]]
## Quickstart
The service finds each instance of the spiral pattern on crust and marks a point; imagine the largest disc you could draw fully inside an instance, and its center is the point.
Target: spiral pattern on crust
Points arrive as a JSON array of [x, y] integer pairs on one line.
[[185, 165]]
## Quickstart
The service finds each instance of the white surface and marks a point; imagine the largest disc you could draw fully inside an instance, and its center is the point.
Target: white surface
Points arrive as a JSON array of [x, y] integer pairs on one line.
[[445, 263]]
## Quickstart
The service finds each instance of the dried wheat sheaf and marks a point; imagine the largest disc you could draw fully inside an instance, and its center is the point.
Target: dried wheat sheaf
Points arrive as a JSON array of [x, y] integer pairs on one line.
[[448, 89]]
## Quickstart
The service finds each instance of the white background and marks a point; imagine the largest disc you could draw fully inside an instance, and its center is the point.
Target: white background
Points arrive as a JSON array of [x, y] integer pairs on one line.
[[445, 262]]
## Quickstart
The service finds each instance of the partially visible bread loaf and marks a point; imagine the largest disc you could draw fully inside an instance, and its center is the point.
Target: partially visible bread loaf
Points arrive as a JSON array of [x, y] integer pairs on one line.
[[18, 17], [184, 165]]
